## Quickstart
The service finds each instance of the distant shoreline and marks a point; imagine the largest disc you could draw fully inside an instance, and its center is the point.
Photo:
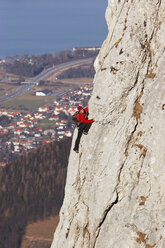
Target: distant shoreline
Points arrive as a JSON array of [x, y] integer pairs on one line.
[[41, 54], [33, 54]]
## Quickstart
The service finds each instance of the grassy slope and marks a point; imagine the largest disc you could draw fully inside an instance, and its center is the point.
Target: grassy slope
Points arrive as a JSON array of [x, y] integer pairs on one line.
[[30, 102], [7, 89], [40, 230], [26, 101]]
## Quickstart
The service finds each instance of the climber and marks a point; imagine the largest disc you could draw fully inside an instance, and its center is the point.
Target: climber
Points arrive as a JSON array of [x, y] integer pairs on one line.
[[83, 125]]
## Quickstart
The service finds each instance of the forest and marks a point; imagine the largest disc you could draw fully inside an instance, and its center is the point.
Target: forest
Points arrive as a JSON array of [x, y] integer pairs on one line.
[[30, 66], [32, 188], [82, 71]]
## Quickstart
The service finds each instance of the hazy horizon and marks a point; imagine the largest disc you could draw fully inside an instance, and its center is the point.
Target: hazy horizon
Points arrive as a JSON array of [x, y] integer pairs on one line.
[[39, 26]]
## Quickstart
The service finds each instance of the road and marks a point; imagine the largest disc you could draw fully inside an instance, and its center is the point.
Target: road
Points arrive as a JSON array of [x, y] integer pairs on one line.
[[43, 75]]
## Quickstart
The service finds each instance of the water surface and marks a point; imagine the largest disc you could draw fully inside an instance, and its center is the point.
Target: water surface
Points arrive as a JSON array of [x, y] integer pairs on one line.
[[46, 26]]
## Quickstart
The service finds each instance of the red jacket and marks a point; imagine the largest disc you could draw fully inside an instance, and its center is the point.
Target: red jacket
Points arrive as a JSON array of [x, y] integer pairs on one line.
[[82, 119]]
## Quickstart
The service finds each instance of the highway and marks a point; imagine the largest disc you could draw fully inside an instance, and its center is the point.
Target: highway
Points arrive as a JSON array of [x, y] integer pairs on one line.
[[43, 75]]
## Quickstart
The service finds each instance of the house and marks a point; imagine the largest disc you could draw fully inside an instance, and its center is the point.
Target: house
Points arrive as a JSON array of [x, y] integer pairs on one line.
[[44, 108], [15, 113], [45, 92], [16, 148], [68, 134], [72, 110], [4, 113], [58, 109], [27, 116], [37, 135], [38, 116], [60, 127], [18, 130], [2, 61], [60, 132], [56, 103], [64, 121], [12, 125], [54, 118], [95, 48], [2, 164], [44, 141], [51, 131], [21, 124], [86, 93], [39, 129]]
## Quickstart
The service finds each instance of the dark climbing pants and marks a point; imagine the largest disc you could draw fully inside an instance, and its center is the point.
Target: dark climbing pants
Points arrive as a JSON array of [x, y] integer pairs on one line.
[[83, 127]]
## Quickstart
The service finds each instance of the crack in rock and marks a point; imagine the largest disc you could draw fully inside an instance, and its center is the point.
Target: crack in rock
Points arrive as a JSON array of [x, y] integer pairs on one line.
[[104, 218], [117, 196]]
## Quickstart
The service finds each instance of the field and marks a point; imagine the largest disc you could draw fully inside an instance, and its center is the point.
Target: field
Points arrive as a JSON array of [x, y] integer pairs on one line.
[[26, 102], [40, 231], [7, 89], [56, 74], [78, 81], [45, 123], [29, 102]]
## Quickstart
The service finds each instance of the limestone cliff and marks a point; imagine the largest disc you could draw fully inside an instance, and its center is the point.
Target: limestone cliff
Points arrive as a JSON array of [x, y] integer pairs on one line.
[[115, 191]]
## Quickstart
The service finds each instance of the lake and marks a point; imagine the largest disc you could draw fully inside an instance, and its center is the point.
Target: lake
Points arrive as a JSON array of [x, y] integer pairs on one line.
[[40, 26]]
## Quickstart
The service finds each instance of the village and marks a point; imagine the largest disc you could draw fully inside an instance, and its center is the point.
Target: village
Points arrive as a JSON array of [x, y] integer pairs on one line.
[[26, 131]]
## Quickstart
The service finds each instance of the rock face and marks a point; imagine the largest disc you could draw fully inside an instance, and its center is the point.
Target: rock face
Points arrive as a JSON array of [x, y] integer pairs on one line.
[[115, 191]]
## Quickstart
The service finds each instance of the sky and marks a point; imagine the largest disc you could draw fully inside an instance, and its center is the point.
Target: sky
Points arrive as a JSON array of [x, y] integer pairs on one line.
[[39, 26]]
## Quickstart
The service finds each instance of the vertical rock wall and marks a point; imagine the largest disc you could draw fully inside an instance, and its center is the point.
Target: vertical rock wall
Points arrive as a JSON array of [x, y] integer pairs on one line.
[[115, 191]]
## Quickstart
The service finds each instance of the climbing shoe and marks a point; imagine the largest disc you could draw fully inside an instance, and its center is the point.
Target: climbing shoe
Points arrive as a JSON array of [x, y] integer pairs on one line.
[[76, 150], [85, 132]]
